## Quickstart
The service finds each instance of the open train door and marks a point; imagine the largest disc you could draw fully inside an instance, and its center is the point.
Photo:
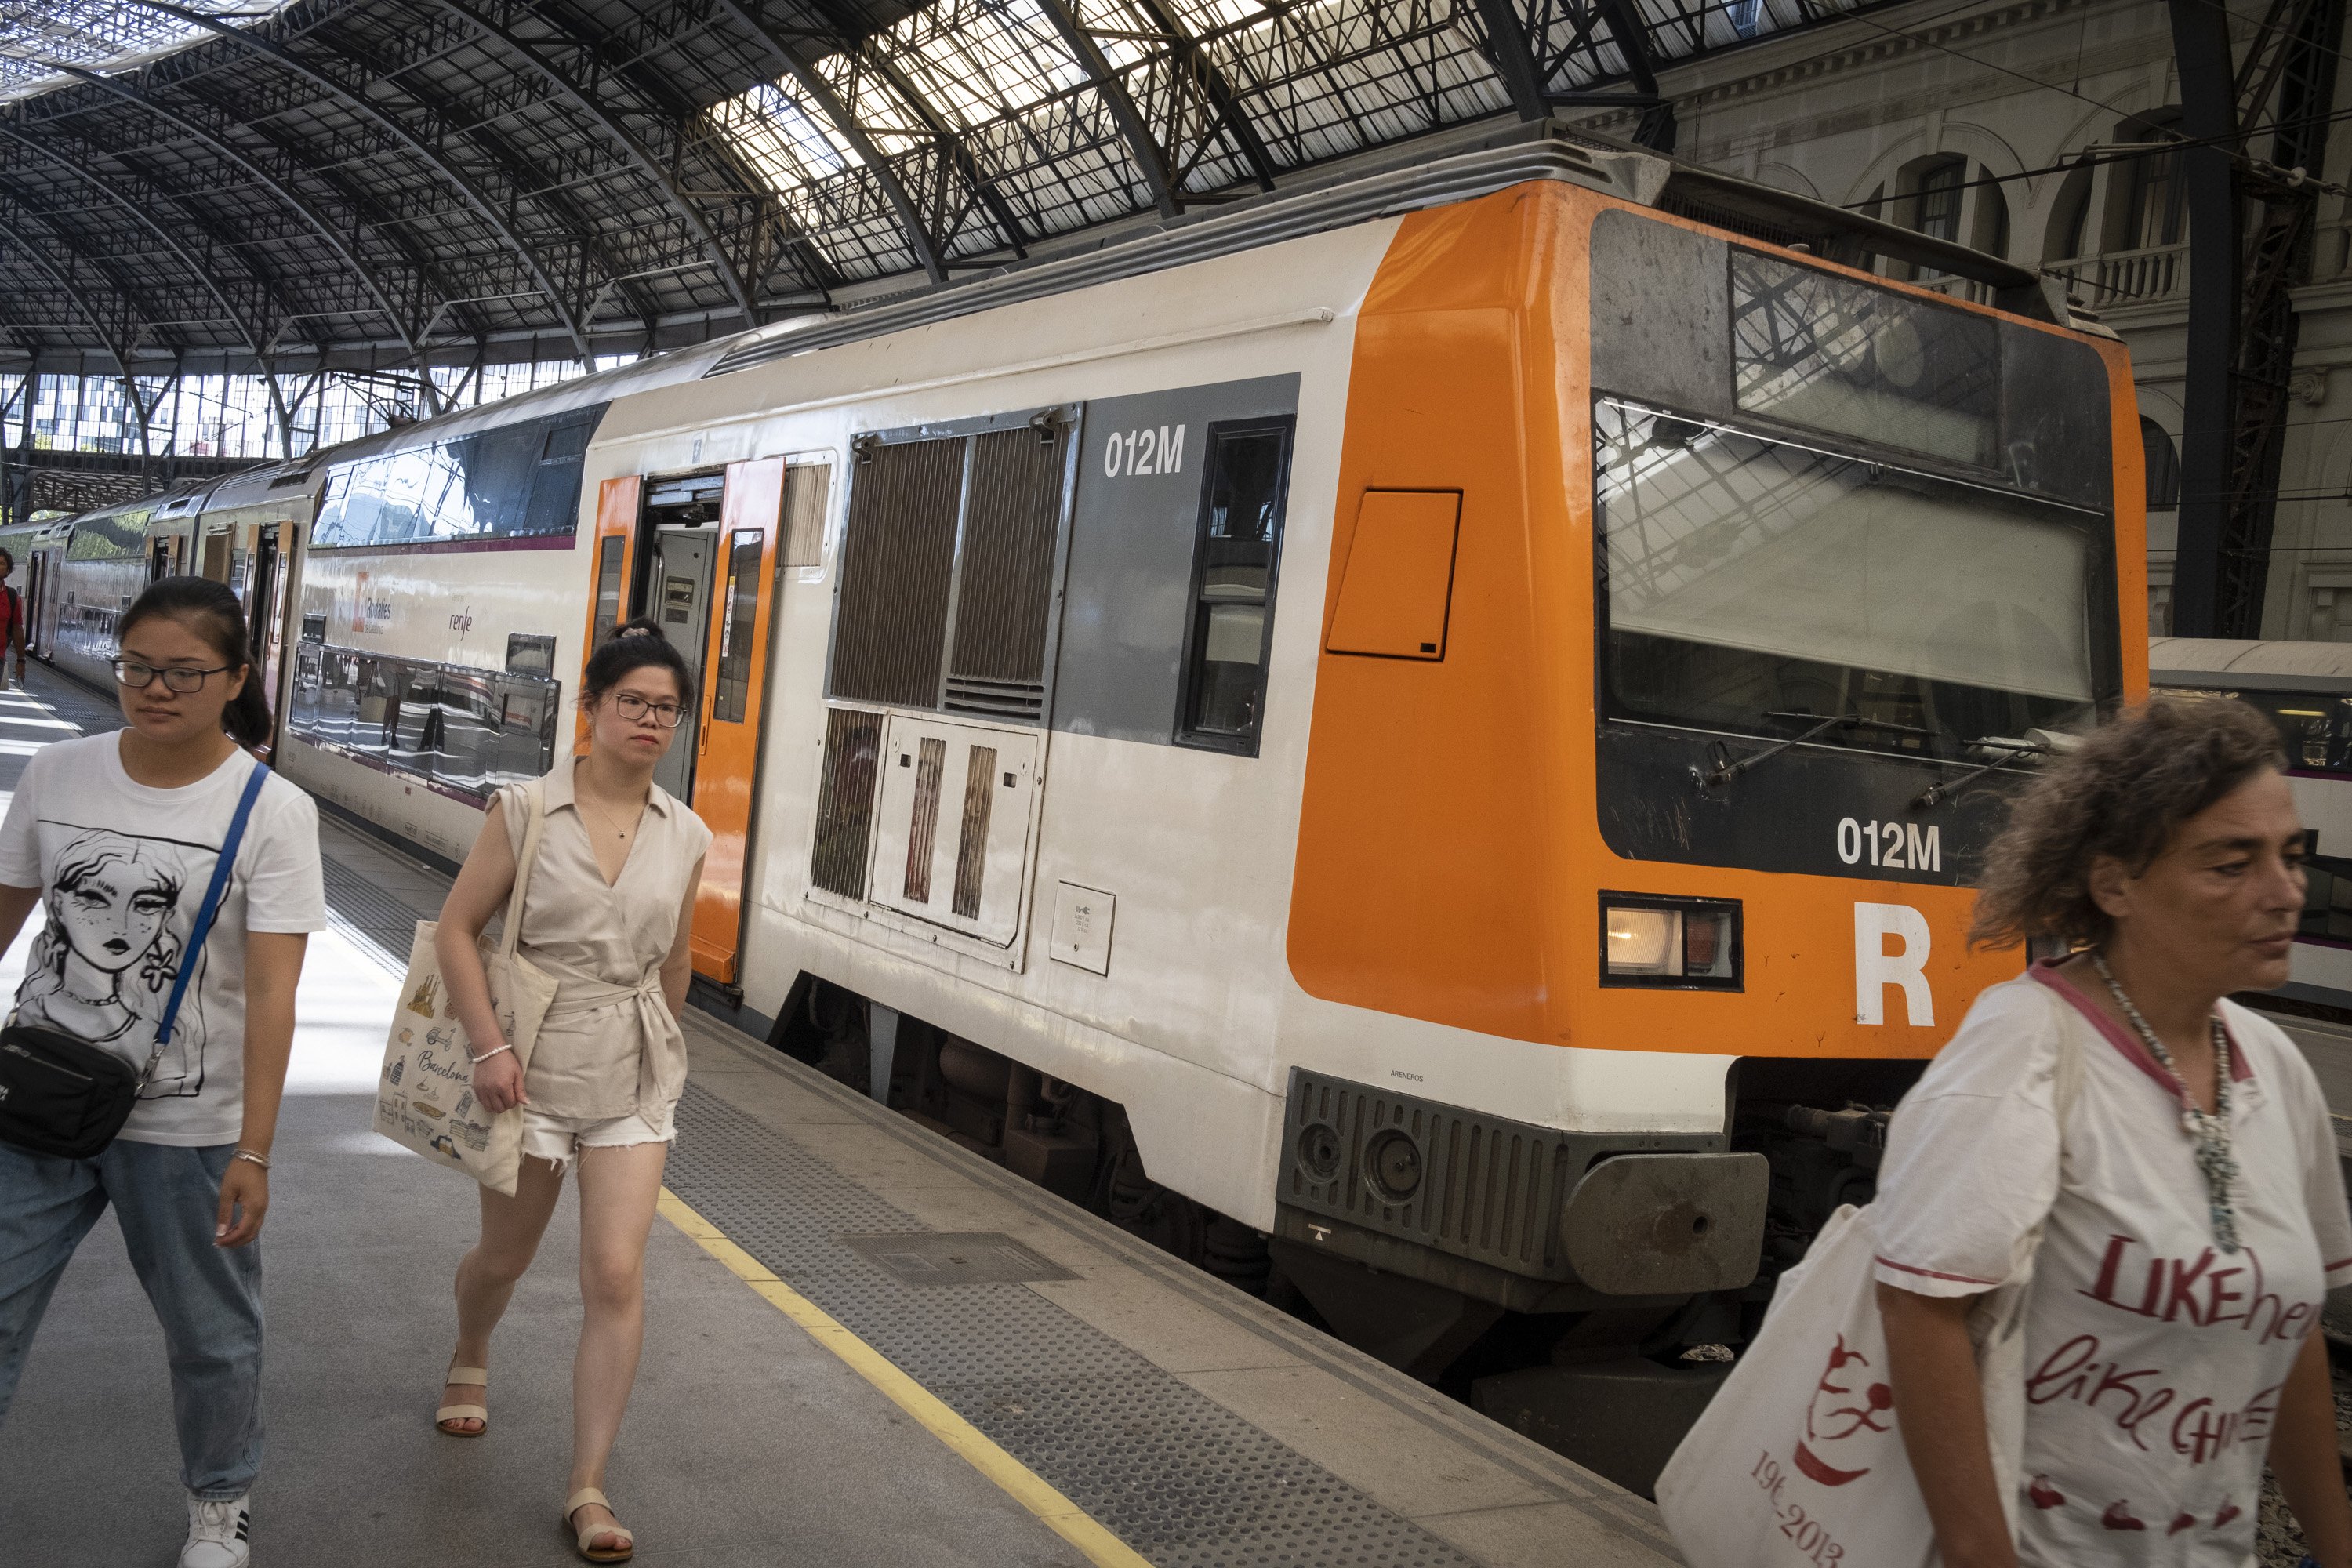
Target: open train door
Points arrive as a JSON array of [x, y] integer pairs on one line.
[[773, 519]]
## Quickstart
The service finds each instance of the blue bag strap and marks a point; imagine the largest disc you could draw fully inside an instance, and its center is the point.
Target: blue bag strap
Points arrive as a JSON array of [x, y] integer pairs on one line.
[[213, 896]]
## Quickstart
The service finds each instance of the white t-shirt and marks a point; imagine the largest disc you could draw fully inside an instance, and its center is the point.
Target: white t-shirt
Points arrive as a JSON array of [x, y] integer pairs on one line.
[[2154, 1359], [123, 869]]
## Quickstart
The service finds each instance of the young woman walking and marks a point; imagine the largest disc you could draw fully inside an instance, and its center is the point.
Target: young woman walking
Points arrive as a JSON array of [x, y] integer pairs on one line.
[[116, 837], [607, 912]]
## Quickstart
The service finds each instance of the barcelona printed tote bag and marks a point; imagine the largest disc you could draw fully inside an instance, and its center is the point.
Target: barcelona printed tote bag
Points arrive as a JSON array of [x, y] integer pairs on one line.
[[424, 1098], [1797, 1461]]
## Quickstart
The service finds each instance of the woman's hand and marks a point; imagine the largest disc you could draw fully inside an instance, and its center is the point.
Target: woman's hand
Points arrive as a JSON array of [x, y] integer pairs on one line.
[[243, 1200], [497, 1083]]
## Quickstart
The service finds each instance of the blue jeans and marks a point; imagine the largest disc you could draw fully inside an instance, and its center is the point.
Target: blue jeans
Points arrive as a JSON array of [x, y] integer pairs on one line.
[[208, 1300]]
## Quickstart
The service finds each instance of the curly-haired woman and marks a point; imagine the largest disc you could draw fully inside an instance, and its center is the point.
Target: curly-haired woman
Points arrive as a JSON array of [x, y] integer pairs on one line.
[[2191, 1209]]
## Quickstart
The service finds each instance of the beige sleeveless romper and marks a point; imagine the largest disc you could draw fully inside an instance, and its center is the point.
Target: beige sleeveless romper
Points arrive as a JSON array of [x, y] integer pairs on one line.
[[610, 1047]]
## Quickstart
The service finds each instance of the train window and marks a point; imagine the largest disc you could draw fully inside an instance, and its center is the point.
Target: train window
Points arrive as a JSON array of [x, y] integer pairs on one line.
[[1815, 349], [530, 654], [518, 480], [608, 584], [468, 730], [1235, 555], [730, 694], [1749, 585]]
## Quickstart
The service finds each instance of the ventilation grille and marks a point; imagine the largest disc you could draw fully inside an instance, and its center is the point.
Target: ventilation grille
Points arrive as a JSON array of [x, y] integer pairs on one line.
[[897, 569], [922, 833], [1488, 1189], [1012, 514], [806, 486], [844, 802], [1017, 700]]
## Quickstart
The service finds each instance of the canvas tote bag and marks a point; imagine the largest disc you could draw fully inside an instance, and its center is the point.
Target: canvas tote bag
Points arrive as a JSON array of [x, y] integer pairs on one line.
[[425, 1099], [1797, 1461]]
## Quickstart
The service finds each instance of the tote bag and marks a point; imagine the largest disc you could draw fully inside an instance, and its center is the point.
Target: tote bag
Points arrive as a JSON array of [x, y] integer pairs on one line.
[[1797, 1461], [425, 1099]]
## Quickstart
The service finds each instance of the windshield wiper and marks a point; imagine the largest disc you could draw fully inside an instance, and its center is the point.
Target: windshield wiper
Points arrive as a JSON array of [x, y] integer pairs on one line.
[[1726, 770], [2008, 751]]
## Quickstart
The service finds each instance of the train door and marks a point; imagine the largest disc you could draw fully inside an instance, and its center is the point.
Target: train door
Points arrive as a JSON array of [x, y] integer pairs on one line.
[[163, 557], [679, 586], [36, 582]]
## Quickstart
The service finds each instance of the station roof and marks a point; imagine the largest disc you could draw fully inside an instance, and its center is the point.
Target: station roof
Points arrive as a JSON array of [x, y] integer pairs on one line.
[[371, 183]]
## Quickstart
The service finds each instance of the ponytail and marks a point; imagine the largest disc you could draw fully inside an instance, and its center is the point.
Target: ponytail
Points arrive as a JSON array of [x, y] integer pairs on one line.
[[635, 645], [208, 609]]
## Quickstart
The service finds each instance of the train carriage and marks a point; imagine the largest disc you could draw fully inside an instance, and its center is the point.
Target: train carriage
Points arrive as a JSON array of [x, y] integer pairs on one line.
[[1441, 720]]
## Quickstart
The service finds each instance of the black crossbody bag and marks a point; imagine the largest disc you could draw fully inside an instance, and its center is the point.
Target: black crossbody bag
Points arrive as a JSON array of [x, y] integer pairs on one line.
[[65, 1096]]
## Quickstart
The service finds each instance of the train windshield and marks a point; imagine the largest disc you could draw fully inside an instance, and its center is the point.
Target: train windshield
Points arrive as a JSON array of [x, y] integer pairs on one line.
[[1749, 583]]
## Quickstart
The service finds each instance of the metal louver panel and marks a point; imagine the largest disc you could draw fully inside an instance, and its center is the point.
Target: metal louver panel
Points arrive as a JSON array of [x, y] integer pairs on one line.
[[1483, 1187], [844, 802], [1012, 514], [897, 570]]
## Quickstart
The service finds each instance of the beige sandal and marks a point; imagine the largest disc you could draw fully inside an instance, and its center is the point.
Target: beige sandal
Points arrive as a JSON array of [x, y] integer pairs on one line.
[[465, 1377], [582, 1536]]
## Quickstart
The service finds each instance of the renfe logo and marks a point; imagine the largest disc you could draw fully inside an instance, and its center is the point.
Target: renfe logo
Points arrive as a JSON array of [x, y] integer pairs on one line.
[[1875, 969]]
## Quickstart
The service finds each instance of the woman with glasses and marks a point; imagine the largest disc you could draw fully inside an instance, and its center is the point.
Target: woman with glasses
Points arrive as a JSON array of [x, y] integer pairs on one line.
[[109, 844], [607, 912]]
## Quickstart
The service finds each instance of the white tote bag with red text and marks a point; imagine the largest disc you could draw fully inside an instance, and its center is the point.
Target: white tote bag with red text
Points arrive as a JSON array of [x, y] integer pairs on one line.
[[1797, 1461]]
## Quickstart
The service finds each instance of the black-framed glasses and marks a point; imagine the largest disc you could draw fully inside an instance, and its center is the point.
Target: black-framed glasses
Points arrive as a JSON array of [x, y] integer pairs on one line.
[[138, 676], [668, 715]]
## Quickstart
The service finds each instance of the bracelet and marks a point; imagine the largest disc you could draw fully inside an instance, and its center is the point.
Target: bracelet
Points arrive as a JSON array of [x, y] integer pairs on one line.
[[260, 1160], [486, 1055]]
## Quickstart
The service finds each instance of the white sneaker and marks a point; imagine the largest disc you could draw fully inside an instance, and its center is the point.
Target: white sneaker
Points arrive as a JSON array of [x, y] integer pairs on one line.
[[216, 1532]]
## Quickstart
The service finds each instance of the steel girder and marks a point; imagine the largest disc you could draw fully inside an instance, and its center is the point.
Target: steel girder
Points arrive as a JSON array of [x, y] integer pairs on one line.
[[589, 104], [1150, 158], [355, 101], [294, 201]]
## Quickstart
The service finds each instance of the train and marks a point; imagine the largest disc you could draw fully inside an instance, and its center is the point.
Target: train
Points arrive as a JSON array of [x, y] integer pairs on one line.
[[1418, 741], [2306, 690]]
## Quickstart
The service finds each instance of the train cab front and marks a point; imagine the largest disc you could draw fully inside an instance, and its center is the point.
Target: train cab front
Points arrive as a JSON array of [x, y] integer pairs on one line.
[[1645, 889]]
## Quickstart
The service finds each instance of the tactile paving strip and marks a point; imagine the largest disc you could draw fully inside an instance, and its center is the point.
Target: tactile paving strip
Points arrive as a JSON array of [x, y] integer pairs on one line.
[[1175, 1475], [372, 913]]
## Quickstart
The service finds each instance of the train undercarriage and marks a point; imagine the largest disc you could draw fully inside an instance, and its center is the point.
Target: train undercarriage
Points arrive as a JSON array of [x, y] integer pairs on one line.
[[1612, 1382]]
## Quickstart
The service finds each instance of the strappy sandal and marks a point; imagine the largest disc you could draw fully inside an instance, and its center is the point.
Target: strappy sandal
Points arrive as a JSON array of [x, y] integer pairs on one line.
[[582, 1537], [465, 1377]]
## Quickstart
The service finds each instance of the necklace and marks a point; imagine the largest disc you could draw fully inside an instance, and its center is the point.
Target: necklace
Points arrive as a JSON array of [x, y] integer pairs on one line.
[[2208, 1129], [618, 831]]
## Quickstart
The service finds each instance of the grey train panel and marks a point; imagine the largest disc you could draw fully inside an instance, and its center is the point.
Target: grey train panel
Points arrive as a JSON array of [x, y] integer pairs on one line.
[[1129, 586], [1680, 357]]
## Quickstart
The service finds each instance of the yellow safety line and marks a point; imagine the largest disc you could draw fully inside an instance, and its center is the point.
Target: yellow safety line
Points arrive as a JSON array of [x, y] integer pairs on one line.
[[1024, 1485]]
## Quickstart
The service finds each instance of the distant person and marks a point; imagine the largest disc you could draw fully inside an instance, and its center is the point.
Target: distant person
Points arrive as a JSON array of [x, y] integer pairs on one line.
[[608, 912], [15, 631], [2192, 1208], [116, 837]]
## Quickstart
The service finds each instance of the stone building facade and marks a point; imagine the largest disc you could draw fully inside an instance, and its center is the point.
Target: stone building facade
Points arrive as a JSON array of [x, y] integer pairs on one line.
[[2000, 125]]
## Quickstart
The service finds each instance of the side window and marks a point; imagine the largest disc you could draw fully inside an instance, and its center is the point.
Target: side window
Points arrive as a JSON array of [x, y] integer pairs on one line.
[[1233, 566], [608, 587], [732, 692]]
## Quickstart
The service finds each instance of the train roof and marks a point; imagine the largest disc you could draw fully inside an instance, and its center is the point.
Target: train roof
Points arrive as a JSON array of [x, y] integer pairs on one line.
[[270, 481], [2252, 666], [1493, 160]]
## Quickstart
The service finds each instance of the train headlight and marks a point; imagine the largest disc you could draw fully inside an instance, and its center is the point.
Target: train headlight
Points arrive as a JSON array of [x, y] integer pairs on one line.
[[1684, 943]]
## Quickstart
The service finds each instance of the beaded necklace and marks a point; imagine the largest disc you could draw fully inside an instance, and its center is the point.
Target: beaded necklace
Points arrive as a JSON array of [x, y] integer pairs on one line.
[[2208, 1129]]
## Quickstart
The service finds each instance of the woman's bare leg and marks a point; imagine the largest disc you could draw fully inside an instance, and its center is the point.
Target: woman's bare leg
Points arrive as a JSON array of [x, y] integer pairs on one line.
[[618, 1191], [511, 1228]]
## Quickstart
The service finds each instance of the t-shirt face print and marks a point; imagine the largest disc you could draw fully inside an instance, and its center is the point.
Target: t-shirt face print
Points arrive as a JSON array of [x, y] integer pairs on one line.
[[123, 869]]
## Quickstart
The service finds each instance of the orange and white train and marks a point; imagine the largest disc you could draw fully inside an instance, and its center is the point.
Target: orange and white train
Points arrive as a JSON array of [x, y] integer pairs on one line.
[[1442, 721]]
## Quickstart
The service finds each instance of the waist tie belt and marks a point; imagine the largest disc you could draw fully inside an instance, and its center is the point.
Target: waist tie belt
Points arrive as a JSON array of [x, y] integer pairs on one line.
[[661, 1071]]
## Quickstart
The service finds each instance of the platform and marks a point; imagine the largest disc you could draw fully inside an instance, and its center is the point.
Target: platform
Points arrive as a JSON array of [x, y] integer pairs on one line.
[[865, 1345]]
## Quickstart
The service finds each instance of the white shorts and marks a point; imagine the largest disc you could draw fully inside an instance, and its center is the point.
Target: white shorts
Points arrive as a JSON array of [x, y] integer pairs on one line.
[[559, 1139]]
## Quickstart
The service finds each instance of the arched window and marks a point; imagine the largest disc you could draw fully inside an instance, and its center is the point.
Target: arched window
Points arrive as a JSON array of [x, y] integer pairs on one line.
[[2163, 460], [2153, 211]]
